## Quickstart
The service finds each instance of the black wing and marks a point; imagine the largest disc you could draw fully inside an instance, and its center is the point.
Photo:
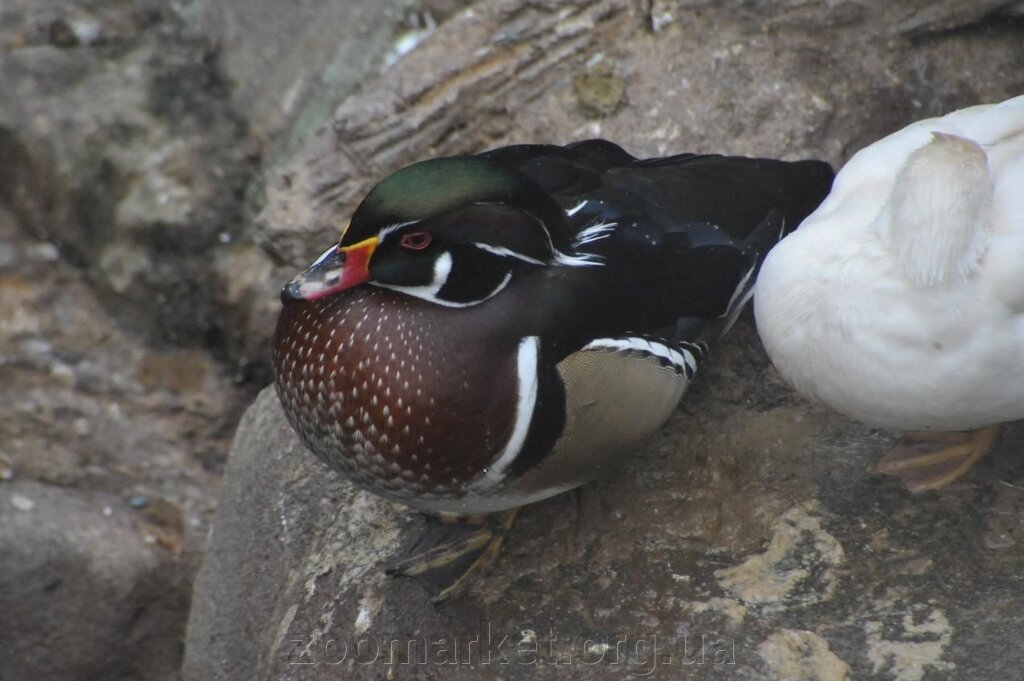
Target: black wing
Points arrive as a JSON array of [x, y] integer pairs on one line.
[[690, 232]]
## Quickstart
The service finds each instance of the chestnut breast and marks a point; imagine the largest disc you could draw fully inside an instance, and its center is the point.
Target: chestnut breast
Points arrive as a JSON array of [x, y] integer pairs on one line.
[[408, 399]]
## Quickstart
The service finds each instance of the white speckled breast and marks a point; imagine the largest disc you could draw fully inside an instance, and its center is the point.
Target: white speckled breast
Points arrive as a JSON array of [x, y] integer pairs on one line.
[[399, 395]]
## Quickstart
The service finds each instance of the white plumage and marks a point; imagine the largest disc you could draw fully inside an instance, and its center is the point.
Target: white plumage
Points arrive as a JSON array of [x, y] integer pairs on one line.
[[900, 301]]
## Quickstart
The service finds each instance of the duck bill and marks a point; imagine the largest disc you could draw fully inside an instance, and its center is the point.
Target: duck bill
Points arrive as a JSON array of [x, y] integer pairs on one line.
[[336, 270]]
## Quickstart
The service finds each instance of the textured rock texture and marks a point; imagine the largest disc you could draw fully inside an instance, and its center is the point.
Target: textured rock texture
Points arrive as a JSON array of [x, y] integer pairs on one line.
[[291, 69], [120, 146], [114, 151], [109, 454], [80, 586], [130, 133]]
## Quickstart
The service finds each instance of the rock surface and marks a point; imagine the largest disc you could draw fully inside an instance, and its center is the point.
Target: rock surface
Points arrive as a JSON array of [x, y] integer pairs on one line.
[[121, 147], [111, 444], [110, 452], [80, 587], [291, 69]]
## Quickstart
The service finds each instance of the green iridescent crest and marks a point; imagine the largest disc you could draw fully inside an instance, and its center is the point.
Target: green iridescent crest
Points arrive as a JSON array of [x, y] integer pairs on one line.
[[429, 188]]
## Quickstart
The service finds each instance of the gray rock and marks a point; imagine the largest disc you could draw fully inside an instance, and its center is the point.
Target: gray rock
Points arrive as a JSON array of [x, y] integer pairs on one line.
[[98, 416], [77, 589], [291, 69], [120, 145], [87, 405], [258, 586], [132, 135]]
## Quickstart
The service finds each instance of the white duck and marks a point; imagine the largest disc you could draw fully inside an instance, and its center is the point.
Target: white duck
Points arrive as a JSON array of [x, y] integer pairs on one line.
[[900, 301]]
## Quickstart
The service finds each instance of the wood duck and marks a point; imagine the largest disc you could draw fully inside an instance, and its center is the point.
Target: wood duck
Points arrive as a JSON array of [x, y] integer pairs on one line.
[[492, 330], [900, 302]]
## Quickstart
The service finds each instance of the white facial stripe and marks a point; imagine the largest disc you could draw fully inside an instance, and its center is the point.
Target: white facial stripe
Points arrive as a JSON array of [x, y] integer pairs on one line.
[[593, 233], [526, 391], [390, 228], [585, 260], [501, 250], [442, 268], [324, 255], [560, 258]]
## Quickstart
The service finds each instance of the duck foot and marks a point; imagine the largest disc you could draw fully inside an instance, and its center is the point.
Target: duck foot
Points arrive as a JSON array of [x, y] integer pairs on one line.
[[452, 549], [929, 460]]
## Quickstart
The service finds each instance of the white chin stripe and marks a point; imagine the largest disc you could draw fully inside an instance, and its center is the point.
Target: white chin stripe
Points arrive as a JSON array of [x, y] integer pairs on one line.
[[526, 391], [442, 268], [431, 292]]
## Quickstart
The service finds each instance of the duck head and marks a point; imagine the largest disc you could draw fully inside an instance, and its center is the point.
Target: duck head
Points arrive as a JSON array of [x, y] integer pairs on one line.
[[453, 231]]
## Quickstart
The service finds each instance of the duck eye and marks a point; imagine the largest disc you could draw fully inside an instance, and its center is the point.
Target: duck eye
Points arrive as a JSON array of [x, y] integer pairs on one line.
[[416, 241]]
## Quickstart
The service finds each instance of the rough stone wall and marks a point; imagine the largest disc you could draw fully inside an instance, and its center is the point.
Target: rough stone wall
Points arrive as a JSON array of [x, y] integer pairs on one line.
[[115, 172]]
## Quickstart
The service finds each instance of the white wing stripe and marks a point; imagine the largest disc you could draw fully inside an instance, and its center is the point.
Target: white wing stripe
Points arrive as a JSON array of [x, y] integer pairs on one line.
[[681, 358], [594, 233]]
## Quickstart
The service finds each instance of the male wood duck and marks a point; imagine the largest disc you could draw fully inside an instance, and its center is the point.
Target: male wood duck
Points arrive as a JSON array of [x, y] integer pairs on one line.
[[492, 330], [900, 302]]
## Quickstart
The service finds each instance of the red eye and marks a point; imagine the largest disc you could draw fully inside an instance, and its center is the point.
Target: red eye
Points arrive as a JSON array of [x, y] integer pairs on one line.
[[416, 241]]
